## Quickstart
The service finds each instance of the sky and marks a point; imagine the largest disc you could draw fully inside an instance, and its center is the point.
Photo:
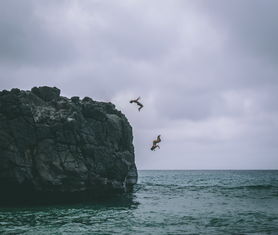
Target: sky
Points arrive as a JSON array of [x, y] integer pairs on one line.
[[206, 71]]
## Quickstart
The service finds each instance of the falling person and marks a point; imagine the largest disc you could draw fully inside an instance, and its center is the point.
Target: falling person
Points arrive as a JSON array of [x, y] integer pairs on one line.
[[155, 143], [137, 102]]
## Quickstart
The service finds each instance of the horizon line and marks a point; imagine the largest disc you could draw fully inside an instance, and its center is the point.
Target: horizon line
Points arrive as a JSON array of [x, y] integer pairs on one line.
[[207, 169]]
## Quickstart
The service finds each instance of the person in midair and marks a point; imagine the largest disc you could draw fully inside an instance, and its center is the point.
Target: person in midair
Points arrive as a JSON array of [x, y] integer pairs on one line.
[[155, 143], [137, 102]]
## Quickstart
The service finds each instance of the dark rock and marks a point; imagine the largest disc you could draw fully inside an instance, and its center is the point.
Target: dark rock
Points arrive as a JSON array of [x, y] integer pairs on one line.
[[57, 149], [46, 93], [75, 99], [87, 99], [15, 91]]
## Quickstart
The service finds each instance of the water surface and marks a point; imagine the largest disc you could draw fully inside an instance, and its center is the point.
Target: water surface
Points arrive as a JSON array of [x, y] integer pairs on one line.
[[164, 202]]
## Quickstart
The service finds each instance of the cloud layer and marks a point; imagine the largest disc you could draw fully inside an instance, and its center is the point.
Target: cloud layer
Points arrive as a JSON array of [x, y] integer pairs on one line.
[[206, 71]]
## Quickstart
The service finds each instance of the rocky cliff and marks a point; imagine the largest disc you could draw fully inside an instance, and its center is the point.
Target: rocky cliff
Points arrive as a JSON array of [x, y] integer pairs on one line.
[[56, 149]]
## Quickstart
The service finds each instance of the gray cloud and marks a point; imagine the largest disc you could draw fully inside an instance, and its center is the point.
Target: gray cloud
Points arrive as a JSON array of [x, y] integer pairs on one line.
[[250, 24], [26, 38], [205, 71]]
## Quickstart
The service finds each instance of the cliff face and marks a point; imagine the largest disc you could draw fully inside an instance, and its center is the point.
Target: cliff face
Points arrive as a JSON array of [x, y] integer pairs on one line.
[[52, 147]]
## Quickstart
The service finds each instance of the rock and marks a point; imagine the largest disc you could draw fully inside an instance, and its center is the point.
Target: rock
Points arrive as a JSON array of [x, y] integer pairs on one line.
[[55, 149], [46, 93], [75, 99]]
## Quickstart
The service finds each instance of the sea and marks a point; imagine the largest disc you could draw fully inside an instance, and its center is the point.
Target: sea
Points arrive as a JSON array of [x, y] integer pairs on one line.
[[164, 202]]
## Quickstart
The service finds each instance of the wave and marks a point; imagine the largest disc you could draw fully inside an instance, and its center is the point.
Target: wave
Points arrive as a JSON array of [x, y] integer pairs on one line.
[[206, 187], [256, 187]]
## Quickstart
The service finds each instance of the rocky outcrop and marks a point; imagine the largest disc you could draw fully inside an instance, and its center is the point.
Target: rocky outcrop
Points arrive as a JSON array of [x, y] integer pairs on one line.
[[56, 149]]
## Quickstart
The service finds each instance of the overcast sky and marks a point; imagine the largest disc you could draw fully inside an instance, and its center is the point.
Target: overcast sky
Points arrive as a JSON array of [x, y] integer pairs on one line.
[[206, 71]]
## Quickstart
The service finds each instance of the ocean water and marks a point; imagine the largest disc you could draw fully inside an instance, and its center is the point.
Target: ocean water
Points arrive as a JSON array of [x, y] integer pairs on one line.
[[164, 202]]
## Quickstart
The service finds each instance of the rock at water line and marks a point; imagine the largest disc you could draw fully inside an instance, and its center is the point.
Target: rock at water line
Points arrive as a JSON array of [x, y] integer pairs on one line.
[[57, 149]]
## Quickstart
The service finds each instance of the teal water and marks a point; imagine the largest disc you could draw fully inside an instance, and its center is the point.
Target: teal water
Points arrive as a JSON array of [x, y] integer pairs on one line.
[[164, 202]]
